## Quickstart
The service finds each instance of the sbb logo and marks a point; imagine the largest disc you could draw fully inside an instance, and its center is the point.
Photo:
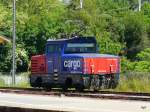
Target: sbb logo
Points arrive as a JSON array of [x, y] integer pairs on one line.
[[72, 64]]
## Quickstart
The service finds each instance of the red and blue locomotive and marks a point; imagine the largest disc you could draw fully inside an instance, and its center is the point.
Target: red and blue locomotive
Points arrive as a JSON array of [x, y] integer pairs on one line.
[[75, 63]]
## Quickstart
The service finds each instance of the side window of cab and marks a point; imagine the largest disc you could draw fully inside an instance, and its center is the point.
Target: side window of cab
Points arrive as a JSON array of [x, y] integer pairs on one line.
[[54, 48]]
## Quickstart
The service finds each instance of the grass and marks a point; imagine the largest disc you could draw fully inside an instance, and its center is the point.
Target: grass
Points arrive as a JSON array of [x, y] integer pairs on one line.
[[134, 82], [2, 83], [129, 82]]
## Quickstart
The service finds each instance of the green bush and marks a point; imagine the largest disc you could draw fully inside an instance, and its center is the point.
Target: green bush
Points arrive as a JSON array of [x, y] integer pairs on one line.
[[144, 55], [21, 59], [142, 66], [141, 63]]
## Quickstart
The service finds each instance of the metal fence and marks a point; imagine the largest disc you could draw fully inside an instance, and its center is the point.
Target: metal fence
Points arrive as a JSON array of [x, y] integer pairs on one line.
[[137, 75], [20, 79]]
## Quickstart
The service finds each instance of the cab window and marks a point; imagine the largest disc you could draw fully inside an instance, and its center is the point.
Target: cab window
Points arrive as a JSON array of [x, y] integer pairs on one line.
[[80, 48], [54, 48]]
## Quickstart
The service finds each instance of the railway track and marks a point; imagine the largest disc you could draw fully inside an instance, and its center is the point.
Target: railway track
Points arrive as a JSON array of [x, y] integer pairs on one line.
[[87, 94]]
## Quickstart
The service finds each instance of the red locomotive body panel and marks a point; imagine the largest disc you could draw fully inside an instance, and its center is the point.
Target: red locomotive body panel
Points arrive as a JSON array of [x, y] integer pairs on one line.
[[101, 65], [38, 64]]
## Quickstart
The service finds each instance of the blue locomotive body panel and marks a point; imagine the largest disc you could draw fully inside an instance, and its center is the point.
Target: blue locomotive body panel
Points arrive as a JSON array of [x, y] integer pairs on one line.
[[72, 65], [63, 63]]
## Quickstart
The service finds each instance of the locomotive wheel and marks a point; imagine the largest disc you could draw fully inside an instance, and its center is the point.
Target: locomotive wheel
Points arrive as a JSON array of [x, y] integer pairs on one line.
[[108, 83], [68, 83], [32, 84], [95, 83], [79, 87], [38, 82], [103, 83], [64, 87], [114, 84], [47, 87]]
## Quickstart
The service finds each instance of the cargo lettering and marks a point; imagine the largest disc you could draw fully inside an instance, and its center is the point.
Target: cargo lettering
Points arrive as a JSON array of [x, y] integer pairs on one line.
[[72, 64]]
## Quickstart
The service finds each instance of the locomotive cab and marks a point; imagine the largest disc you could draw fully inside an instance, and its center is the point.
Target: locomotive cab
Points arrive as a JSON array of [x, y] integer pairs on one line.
[[74, 63]]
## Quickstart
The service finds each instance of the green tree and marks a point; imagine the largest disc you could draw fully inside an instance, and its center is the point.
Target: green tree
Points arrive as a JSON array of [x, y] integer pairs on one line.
[[135, 35], [115, 24], [45, 20]]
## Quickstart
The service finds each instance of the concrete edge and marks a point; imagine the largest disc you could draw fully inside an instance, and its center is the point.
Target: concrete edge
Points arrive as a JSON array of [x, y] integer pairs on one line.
[[19, 109]]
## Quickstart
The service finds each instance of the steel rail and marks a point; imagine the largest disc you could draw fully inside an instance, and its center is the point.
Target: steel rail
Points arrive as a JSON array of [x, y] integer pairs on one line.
[[87, 94]]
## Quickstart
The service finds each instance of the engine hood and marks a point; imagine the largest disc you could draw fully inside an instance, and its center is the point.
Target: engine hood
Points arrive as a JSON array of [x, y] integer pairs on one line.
[[90, 63]]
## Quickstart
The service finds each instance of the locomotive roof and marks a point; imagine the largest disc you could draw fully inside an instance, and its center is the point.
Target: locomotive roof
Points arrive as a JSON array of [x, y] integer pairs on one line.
[[73, 40], [91, 55]]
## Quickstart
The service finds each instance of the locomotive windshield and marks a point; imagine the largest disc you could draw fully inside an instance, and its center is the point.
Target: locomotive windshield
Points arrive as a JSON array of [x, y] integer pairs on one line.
[[80, 48]]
